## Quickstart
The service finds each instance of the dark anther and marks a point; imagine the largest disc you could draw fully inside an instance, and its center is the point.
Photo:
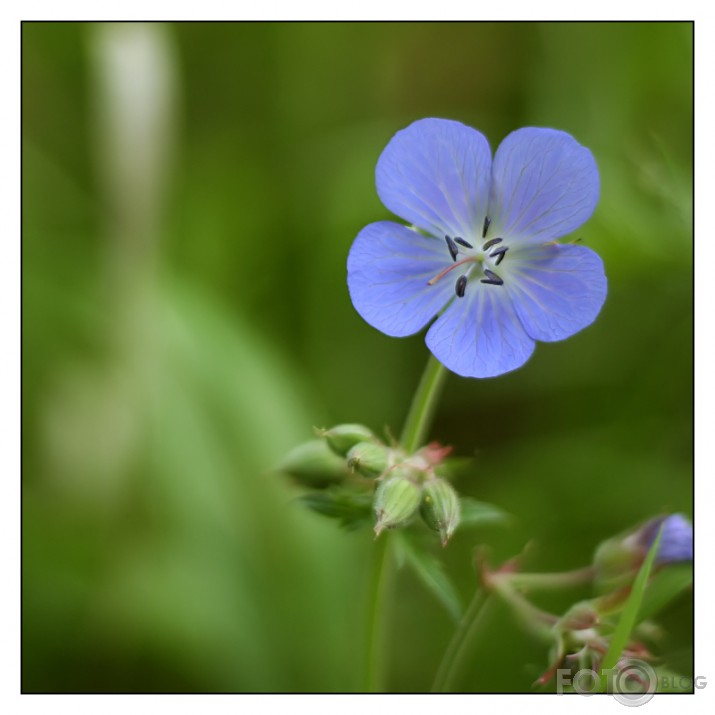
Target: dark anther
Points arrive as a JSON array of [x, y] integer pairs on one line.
[[453, 250], [491, 278], [499, 254], [461, 286], [487, 221], [464, 243], [491, 242]]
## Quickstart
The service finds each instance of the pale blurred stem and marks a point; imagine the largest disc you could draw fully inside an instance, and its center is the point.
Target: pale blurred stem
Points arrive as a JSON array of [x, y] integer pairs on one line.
[[378, 617], [460, 645], [413, 435], [506, 586], [548, 581]]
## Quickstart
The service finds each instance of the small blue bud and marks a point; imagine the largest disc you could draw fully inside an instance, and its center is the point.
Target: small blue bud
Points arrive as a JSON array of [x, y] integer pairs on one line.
[[617, 559], [676, 541]]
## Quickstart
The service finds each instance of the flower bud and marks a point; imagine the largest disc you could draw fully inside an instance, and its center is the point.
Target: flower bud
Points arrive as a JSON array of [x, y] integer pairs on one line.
[[440, 508], [676, 541], [617, 559], [342, 438], [396, 501], [369, 459], [313, 464]]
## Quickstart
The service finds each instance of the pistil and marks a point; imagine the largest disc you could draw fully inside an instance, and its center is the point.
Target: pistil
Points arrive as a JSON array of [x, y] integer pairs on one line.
[[444, 272]]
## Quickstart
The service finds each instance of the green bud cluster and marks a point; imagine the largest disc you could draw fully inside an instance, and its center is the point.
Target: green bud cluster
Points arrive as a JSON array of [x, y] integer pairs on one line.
[[406, 484]]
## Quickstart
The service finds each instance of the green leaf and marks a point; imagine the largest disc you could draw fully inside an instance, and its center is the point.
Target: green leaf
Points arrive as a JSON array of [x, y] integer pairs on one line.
[[478, 513], [629, 616], [429, 570], [664, 588]]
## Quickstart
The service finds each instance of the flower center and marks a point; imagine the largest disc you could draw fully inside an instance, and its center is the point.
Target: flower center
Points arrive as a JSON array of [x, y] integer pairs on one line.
[[489, 256]]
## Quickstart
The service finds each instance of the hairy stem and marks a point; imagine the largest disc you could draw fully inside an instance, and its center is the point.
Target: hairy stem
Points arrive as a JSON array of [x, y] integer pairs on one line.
[[423, 404]]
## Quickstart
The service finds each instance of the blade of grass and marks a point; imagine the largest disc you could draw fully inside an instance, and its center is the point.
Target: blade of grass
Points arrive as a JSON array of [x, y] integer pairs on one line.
[[629, 615]]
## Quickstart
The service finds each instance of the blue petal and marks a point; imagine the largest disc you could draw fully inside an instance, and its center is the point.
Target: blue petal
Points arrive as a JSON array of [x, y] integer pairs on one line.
[[435, 174], [557, 290], [545, 185], [388, 269], [480, 335]]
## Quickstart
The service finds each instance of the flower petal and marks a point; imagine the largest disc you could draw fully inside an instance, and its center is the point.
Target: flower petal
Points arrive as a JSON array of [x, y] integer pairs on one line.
[[435, 174], [480, 335], [388, 269], [544, 185], [557, 290]]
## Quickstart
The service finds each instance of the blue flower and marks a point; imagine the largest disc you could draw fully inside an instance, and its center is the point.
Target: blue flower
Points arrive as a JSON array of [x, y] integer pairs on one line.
[[481, 250], [676, 541]]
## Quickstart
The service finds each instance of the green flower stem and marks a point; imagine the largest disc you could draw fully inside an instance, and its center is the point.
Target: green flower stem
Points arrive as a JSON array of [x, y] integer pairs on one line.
[[460, 645], [504, 586], [538, 622], [414, 432], [549, 581], [374, 671], [423, 405]]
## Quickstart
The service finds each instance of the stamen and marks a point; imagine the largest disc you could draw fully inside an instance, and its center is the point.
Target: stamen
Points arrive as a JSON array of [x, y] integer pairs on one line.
[[491, 242], [491, 278], [464, 243], [453, 250], [499, 254], [444, 272], [487, 221], [461, 286]]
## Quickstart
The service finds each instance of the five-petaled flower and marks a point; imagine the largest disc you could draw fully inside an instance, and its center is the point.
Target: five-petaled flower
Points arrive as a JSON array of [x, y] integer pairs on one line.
[[481, 250]]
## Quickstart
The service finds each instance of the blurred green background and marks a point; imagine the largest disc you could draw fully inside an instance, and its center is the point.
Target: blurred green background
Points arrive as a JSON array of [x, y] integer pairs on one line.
[[190, 194]]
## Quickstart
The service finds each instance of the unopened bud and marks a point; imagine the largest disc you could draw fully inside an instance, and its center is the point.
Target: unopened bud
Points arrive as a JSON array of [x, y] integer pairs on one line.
[[676, 541], [440, 508], [617, 559], [342, 438], [396, 501], [313, 464], [579, 617], [369, 459]]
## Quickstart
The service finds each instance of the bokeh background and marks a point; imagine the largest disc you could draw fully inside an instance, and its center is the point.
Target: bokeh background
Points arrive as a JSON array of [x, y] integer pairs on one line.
[[190, 194]]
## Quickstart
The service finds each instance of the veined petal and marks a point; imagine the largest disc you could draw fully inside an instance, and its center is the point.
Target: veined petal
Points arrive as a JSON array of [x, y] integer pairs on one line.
[[480, 335], [389, 266], [435, 174], [557, 290], [544, 185]]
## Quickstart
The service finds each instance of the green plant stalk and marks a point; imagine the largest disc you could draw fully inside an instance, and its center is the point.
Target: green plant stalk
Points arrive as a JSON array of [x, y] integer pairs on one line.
[[549, 581], [374, 670], [414, 432], [536, 621], [459, 646], [423, 405]]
